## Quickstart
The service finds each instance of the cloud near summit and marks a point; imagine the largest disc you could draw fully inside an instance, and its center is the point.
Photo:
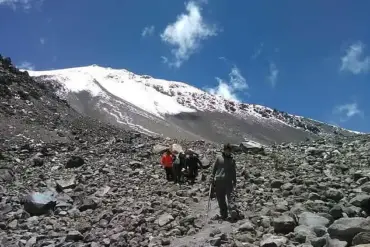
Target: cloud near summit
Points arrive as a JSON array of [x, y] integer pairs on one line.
[[230, 89], [186, 34], [348, 111], [354, 60]]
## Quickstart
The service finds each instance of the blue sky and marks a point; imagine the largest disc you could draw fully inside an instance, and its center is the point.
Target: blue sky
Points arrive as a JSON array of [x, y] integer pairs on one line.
[[310, 58]]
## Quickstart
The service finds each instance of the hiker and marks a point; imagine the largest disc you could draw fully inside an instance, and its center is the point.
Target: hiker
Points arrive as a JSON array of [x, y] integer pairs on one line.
[[192, 165], [167, 163], [223, 179], [177, 166]]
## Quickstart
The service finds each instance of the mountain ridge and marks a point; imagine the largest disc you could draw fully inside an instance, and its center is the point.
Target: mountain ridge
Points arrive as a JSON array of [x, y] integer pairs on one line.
[[127, 99]]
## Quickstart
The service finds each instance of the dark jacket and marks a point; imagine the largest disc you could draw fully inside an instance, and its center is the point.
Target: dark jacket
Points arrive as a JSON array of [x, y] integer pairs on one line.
[[224, 170], [193, 162]]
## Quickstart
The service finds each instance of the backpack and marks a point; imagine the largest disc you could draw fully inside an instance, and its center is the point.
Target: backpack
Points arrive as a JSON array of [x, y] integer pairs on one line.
[[176, 160]]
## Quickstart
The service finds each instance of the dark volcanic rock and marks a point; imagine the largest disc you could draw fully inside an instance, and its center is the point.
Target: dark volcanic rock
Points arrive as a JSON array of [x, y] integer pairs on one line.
[[39, 203], [75, 162], [284, 224]]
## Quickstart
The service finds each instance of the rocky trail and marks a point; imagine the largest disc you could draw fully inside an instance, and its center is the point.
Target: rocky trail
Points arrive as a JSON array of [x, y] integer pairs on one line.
[[311, 194], [70, 181]]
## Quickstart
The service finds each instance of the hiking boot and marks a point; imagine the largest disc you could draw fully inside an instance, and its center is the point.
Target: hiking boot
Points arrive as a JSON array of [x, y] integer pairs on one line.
[[216, 217], [234, 214]]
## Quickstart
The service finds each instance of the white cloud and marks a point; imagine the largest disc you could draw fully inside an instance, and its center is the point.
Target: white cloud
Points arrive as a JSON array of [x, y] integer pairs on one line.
[[42, 41], [164, 59], [258, 51], [354, 60], [187, 33], [348, 111], [25, 4], [274, 72], [224, 90], [148, 31], [229, 90], [26, 66]]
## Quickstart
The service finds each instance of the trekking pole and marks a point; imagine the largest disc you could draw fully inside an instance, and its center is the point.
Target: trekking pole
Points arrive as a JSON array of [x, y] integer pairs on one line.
[[209, 199]]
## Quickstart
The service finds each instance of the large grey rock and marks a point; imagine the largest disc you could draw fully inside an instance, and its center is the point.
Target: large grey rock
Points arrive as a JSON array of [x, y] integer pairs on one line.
[[6, 175], [303, 233], [270, 240], [284, 224], [366, 187], [334, 194], [361, 238], [75, 162], [311, 220], [335, 242], [37, 203], [361, 200], [159, 149], [346, 228]]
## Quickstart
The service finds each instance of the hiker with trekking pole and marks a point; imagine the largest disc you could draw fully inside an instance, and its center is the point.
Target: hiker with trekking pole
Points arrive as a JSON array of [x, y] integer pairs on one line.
[[223, 180]]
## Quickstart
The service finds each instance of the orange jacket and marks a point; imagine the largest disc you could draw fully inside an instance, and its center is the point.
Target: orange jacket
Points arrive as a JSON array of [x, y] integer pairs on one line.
[[166, 160]]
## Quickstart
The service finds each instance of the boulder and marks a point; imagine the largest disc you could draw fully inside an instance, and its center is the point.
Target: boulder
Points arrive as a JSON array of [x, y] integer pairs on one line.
[[37, 203], [361, 238], [284, 224], [312, 220], [74, 162], [159, 149], [347, 228], [270, 240]]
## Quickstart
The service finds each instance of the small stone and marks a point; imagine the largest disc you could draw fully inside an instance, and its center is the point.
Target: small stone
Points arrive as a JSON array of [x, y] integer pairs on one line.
[[75, 162], [165, 219], [276, 184], [284, 224], [246, 226], [215, 241], [165, 242], [106, 241], [66, 184], [270, 240], [31, 242], [74, 236], [13, 224], [89, 203]]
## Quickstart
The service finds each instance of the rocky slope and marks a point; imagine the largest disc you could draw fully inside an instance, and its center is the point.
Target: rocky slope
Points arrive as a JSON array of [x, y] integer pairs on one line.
[[96, 185], [174, 109]]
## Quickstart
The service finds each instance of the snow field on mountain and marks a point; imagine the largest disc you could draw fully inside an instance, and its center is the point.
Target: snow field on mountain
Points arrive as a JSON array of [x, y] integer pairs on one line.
[[119, 83], [156, 98]]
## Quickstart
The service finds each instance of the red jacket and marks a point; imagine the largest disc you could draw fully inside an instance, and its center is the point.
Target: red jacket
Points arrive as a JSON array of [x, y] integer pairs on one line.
[[166, 160]]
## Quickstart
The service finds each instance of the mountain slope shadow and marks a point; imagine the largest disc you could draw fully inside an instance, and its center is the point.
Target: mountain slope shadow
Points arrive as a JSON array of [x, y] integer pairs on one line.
[[221, 127], [112, 109]]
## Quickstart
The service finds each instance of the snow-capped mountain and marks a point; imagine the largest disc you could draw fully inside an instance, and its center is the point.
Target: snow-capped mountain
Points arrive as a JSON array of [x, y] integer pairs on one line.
[[174, 109]]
